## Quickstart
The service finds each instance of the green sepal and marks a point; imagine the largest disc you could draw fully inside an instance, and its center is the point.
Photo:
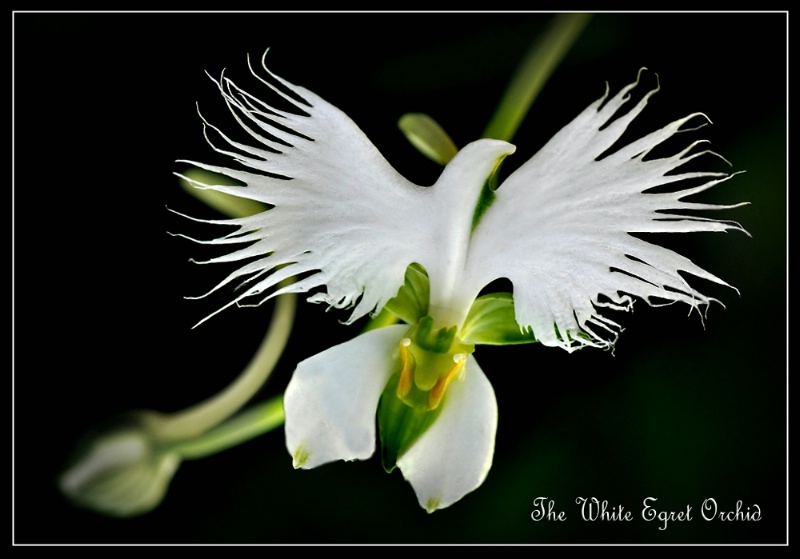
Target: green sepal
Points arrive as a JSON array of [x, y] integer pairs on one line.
[[428, 137], [400, 425], [491, 321], [381, 320], [412, 299]]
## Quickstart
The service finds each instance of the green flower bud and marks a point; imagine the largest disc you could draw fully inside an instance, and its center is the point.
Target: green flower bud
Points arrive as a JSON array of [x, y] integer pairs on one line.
[[122, 469]]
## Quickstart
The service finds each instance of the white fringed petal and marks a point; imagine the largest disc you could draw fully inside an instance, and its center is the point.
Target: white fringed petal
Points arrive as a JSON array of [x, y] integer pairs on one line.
[[559, 228], [331, 401], [453, 457], [339, 207], [343, 218]]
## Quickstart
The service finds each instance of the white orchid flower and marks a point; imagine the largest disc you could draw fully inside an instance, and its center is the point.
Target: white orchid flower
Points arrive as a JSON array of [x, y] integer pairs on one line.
[[362, 237]]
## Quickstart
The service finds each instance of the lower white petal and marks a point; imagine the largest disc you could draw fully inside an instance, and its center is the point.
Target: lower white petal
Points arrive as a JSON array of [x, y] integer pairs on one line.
[[331, 401], [454, 455]]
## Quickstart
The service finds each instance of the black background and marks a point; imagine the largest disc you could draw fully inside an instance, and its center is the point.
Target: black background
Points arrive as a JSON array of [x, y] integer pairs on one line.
[[683, 410]]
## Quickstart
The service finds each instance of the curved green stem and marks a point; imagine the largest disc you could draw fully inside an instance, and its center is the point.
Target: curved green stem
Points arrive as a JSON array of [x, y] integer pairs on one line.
[[242, 427], [197, 419], [540, 61]]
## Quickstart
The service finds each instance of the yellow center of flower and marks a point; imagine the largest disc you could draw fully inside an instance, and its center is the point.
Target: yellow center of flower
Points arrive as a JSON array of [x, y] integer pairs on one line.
[[430, 361]]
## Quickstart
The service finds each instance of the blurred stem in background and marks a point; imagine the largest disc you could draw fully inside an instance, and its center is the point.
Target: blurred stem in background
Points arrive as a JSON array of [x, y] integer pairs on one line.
[[124, 469], [535, 69]]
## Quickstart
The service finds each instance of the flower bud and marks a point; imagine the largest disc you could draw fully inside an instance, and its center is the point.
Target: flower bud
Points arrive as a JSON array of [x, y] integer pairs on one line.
[[122, 469]]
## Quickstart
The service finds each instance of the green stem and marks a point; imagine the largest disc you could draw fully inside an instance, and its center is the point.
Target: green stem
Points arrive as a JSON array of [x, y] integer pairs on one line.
[[199, 418], [536, 67], [244, 426]]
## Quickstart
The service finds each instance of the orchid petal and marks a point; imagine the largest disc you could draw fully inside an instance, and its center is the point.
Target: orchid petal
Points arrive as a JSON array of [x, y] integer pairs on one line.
[[342, 217], [454, 455], [570, 213], [332, 192], [331, 401]]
